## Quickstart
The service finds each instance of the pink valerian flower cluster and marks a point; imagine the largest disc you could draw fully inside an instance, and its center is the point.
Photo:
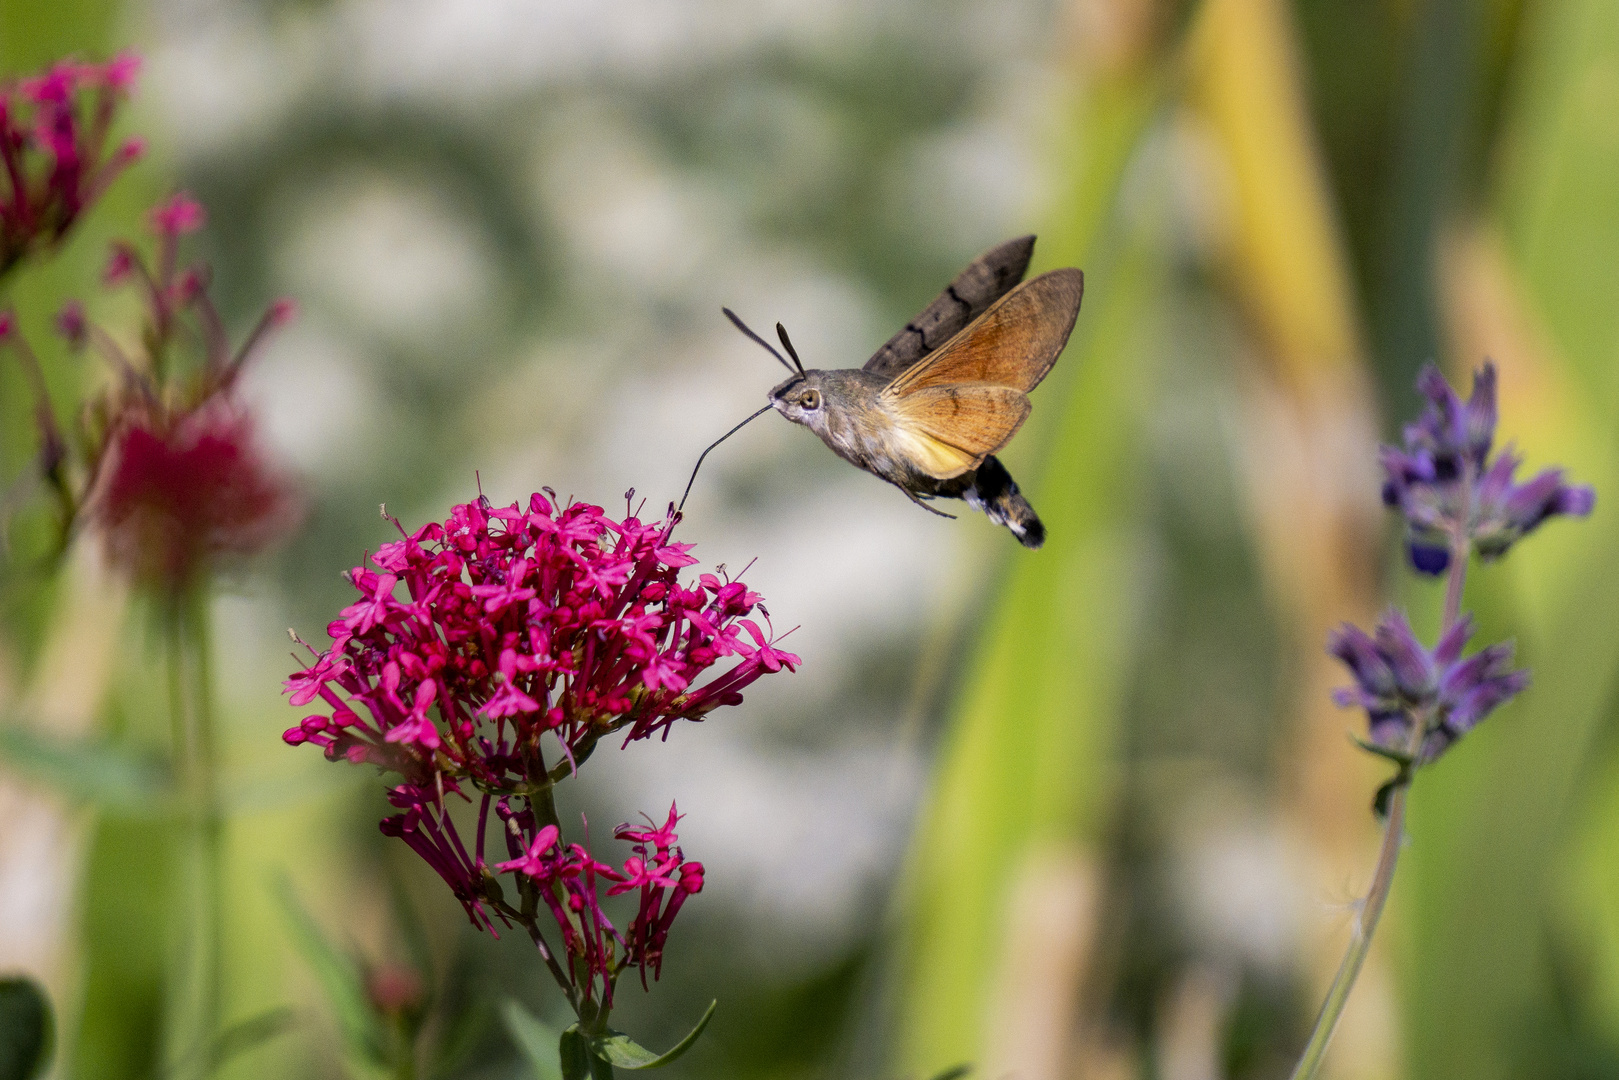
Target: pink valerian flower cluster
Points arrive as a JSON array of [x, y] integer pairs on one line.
[[174, 477], [519, 622], [54, 156], [473, 638]]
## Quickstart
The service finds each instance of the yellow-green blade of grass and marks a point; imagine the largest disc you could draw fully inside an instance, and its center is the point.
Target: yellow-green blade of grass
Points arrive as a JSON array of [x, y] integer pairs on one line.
[[1028, 758]]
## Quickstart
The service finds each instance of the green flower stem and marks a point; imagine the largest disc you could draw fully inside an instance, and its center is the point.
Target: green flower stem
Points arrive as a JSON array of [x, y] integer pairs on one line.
[[404, 1049], [1360, 945], [210, 813], [195, 1008]]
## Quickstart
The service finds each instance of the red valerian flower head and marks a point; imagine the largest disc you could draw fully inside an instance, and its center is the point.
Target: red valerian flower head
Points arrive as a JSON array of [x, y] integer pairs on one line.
[[472, 640], [180, 479], [568, 879], [516, 622], [54, 155]]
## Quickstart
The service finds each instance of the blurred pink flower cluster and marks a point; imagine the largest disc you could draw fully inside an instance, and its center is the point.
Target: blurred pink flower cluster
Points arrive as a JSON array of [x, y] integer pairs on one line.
[[173, 476], [54, 156], [178, 477], [473, 638]]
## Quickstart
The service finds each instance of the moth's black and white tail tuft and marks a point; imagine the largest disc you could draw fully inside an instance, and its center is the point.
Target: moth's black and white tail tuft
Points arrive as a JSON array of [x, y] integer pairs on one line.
[[995, 493]]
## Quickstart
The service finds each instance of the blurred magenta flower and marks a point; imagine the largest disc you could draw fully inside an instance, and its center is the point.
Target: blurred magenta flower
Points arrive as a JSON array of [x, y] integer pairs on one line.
[[178, 479], [472, 639], [395, 990], [54, 156], [180, 215], [1450, 491], [174, 478], [1399, 683], [181, 490]]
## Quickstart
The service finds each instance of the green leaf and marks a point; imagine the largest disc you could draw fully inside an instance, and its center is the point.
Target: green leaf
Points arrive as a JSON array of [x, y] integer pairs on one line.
[[235, 1040], [27, 1032], [96, 771], [576, 1056], [244, 1035], [536, 1039], [954, 1074], [1400, 758], [460, 1035], [619, 1049], [341, 979]]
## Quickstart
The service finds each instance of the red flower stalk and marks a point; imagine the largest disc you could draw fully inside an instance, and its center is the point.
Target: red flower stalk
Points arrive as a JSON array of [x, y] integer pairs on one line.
[[567, 879], [474, 638], [54, 157], [662, 877]]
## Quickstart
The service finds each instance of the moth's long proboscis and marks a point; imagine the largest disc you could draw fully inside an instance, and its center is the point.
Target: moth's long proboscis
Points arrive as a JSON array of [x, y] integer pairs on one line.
[[711, 446]]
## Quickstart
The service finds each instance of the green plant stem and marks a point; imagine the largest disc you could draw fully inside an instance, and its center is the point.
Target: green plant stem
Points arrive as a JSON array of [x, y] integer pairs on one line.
[[1388, 855], [405, 1050], [195, 1014], [210, 813]]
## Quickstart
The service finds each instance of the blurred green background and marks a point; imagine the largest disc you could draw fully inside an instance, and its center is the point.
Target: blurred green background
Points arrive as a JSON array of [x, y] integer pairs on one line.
[[1084, 812]]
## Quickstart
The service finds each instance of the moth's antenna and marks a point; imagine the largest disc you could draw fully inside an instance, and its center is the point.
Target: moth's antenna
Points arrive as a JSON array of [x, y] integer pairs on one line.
[[781, 332], [722, 438], [742, 326]]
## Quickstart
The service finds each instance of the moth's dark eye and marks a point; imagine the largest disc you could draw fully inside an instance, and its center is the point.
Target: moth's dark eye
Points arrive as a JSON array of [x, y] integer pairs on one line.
[[810, 400]]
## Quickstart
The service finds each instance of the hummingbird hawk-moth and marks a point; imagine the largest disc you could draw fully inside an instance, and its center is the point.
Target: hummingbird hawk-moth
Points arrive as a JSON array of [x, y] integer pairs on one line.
[[930, 409]]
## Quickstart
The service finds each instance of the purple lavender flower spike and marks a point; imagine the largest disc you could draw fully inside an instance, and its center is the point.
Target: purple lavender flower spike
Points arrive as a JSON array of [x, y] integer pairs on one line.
[[1446, 486], [1398, 683]]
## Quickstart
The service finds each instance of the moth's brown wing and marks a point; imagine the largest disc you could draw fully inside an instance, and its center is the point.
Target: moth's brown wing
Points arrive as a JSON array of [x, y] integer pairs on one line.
[[1012, 344], [948, 430], [986, 280]]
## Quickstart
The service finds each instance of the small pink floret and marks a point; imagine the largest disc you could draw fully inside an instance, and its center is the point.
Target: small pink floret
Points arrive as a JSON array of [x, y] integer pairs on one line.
[[181, 214]]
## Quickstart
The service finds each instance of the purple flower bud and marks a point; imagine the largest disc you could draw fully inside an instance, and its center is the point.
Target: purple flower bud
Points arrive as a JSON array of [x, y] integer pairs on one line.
[[1400, 683]]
